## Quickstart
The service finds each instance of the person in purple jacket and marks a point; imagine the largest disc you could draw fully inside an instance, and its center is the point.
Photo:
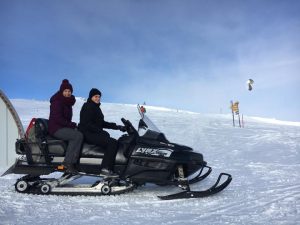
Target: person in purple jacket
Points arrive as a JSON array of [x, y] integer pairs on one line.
[[61, 126]]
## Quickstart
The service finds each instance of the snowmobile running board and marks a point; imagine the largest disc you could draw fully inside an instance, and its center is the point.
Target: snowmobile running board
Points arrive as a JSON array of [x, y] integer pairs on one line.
[[216, 188]]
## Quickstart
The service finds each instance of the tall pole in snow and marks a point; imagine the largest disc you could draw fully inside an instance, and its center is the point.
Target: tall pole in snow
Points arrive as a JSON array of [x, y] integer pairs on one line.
[[239, 118], [243, 121], [232, 113], [237, 111]]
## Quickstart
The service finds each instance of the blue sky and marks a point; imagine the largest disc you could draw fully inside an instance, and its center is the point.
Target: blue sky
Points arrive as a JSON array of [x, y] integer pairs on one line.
[[195, 55]]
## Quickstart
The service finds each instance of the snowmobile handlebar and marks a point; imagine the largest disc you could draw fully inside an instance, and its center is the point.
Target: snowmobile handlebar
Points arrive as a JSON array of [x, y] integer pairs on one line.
[[129, 127]]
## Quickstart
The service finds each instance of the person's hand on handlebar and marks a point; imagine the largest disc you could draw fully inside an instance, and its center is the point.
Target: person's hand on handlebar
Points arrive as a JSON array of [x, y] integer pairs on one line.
[[121, 128]]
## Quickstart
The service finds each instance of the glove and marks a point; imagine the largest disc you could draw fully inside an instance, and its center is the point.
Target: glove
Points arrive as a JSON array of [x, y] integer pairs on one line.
[[121, 128], [73, 125]]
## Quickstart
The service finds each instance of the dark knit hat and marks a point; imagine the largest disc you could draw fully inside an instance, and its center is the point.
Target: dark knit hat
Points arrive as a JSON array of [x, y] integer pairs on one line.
[[65, 85], [94, 91]]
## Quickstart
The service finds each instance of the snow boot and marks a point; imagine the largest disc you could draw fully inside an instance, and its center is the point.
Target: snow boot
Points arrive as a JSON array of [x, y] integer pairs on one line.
[[108, 173]]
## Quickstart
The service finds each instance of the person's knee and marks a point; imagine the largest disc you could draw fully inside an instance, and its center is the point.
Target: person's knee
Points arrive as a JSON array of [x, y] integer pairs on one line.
[[105, 135], [79, 136], [113, 143], [114, 140]]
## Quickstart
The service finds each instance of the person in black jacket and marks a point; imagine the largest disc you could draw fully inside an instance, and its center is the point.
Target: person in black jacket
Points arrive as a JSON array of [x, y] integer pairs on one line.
[[91, 125]]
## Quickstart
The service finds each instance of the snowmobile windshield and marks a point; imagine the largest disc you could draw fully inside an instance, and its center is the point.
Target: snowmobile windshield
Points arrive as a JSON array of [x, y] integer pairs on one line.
[[147, 129], [148, 124]]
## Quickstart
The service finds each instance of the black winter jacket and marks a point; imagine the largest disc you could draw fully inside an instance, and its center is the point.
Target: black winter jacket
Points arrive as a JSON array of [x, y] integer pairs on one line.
[[92, 118]]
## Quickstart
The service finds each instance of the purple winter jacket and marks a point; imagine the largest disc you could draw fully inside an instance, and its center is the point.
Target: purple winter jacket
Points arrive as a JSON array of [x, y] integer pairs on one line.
[[60, 112]]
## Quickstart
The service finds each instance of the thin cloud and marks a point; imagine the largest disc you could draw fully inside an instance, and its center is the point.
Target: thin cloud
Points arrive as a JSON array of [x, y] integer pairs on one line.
[[194, 55]]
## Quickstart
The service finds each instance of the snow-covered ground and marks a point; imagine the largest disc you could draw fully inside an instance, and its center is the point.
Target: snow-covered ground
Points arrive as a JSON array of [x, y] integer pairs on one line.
[[263, 158]]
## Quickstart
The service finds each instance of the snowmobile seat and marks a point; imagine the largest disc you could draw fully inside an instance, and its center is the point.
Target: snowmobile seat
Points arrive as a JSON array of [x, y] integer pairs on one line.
[[92, 151], [50, 145], [56, 147]]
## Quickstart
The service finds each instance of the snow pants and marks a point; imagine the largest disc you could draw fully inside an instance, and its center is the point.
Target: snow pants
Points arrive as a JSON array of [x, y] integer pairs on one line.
[[104, 140], [74, 138]]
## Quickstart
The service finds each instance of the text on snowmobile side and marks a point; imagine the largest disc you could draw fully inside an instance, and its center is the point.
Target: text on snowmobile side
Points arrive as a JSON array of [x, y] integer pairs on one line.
[[155, 151]]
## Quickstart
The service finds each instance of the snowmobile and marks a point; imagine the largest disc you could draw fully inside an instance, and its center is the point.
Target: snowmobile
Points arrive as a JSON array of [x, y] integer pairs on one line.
[[144, 156]]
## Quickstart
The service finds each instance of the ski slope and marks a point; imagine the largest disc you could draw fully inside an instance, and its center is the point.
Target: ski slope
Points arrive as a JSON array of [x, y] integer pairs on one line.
[[263, 158]]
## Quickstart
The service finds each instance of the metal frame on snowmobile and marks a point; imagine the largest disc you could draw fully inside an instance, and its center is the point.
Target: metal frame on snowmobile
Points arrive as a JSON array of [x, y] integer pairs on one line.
[[147, 158]]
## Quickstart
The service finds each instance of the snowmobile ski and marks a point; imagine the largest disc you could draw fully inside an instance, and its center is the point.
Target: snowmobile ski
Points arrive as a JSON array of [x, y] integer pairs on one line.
[[216, 188], [200, 177]]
